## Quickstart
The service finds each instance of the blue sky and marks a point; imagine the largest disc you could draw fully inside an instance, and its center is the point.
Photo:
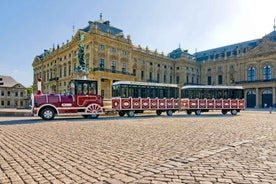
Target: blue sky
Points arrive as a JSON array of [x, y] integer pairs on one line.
[[28, 27]]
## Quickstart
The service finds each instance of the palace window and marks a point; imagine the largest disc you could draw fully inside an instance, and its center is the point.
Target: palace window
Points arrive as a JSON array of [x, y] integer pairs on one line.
[[158, 77], [124, 52], [267, 72], [251, 74], [101, 47], [177, 79], [113, 49], [220, 79], [64, 71], [101, 63], [123, 67], [113, 66], [142, 75], [60, 72], [69, 70], [209, 80]]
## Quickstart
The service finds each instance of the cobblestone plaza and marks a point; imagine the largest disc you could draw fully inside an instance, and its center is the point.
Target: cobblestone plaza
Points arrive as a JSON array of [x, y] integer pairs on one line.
[[211, 148]]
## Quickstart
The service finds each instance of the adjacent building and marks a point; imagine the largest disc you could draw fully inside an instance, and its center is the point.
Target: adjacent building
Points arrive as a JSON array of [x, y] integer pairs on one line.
[[12, 93], [111, 56]]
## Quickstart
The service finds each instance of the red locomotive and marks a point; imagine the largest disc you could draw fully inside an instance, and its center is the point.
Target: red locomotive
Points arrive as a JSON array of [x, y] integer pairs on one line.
[[81, 99]]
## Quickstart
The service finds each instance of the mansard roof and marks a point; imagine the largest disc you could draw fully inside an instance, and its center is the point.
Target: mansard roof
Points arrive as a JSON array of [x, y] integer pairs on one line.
[[233, 49], [228, 50], [104, 26]]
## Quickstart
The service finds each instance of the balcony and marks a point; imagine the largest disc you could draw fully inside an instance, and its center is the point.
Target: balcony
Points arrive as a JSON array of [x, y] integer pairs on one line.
[[113, 71]]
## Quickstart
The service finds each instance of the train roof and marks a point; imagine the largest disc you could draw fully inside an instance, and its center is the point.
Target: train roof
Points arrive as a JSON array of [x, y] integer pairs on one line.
[[210, 87], [145, 84]]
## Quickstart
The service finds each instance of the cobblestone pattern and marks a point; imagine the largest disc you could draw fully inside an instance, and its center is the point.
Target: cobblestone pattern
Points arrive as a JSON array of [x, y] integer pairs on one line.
[[204, 149]]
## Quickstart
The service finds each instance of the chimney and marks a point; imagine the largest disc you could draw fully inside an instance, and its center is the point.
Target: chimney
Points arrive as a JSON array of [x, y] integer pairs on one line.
[[39, 91]]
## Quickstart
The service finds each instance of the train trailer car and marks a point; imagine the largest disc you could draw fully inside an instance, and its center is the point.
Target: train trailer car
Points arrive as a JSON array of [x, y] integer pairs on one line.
[[81, 99], [130, 97], [201, 98]]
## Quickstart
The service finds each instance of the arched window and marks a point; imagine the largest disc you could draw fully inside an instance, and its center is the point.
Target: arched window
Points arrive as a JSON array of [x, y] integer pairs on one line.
[[267, 72], [251, 74]]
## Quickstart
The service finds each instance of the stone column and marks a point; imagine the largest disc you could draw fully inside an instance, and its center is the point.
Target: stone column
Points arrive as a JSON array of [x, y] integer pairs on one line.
[[274, 96], [110, 88], [99, 86], [257, 98]]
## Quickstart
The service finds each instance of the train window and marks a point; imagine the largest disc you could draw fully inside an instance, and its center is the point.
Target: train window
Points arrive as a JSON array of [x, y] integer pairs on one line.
[[144, 90], [216, 92], [85, 89]]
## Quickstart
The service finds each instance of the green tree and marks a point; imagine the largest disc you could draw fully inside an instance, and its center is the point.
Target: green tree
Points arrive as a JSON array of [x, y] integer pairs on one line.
[[30, 90]]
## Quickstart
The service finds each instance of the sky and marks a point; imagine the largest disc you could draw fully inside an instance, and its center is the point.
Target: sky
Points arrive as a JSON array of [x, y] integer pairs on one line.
[[28, 27]]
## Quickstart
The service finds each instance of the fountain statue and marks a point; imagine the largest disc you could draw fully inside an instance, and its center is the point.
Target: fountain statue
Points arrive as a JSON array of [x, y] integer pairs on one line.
[[82, 71]]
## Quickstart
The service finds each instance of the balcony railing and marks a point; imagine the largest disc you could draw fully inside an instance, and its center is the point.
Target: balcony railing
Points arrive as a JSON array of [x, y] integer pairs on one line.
[[113, 71]]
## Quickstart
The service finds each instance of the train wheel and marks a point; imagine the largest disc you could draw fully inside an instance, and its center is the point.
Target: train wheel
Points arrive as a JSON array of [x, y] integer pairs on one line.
[[121, 113], [94, 116], [94, 110], [169, 112], [47, 113], [224, 111], [189, 112], [197, 112], [158, 112], [130, 113], [234, 112]]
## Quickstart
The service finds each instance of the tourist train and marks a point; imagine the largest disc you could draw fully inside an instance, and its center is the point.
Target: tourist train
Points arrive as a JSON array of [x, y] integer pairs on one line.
[[131, 97]]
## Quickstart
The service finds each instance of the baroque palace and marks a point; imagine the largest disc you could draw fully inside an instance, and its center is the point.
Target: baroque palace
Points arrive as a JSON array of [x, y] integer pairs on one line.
[[111, 57]]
